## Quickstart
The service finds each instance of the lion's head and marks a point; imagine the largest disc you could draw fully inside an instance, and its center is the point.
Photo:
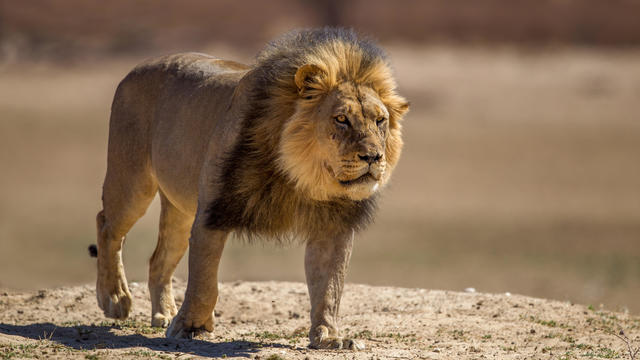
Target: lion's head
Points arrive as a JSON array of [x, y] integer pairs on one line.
[[342, 139]]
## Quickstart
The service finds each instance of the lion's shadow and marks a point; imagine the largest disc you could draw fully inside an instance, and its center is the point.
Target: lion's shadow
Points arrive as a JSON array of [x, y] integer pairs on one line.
[[86, 337]]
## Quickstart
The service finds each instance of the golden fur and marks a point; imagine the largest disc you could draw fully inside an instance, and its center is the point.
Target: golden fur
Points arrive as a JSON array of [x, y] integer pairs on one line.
[[297, 145]]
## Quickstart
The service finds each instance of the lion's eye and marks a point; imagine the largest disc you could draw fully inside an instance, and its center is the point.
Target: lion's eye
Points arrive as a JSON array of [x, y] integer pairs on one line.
[[380, 120], [341, 119]]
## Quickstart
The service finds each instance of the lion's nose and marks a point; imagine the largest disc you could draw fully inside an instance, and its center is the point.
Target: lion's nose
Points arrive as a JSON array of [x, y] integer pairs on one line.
[[370, 158]]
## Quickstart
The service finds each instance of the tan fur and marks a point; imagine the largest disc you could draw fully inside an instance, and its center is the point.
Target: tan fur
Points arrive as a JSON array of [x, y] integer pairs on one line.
[[254, 150]]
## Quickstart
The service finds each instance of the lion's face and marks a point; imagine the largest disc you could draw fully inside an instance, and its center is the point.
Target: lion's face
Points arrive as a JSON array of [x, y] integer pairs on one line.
[[338, 146], [354, 126]]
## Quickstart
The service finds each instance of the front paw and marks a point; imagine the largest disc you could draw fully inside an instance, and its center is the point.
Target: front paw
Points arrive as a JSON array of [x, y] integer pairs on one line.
[[160, 320], [163, 308], [321, 339], [188, 327]]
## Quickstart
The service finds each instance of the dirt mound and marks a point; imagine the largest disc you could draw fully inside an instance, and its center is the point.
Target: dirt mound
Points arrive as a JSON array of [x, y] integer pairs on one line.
[[268, 320]]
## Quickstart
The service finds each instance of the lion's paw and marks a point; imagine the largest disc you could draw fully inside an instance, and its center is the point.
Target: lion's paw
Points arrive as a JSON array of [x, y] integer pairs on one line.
[[161, 320], [115, 301], [322, 340], [352, 344], [338, 343], [181, 327]]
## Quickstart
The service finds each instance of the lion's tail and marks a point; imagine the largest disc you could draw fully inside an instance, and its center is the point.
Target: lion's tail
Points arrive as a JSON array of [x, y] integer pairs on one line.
[[93, 250]]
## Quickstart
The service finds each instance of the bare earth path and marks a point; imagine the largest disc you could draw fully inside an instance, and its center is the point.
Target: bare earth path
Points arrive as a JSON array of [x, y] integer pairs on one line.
[[267, 320]]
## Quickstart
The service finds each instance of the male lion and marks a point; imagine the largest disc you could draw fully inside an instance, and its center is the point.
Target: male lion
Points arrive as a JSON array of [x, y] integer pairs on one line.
[[296, 146]]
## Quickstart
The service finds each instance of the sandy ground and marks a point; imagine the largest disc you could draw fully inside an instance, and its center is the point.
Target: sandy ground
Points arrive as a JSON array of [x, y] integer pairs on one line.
[[268, 320]]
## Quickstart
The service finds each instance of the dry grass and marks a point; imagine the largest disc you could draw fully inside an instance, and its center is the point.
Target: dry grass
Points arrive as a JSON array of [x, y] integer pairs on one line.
[[520, 174]]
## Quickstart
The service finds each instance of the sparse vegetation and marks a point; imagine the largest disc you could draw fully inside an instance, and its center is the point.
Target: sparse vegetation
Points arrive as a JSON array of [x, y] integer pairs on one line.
[[549, 323], [632, 350], [138, 327], [35, 350], [458, 334], [555, 330], [363, 334], [145, 354], [267, 335]]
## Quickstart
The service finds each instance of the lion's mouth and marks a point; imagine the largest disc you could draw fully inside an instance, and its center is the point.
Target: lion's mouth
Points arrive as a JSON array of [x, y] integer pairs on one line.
[[366, 177]]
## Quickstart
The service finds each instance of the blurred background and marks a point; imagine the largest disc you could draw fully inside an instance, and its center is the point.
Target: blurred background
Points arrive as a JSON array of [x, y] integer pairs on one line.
[[521, 171]]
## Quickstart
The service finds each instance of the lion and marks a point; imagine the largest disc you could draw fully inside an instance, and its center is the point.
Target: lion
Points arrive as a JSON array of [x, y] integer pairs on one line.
[[295, 147]]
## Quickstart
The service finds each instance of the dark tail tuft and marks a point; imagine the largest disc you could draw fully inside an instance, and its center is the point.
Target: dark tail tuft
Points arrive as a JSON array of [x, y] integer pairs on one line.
[[93, 250]]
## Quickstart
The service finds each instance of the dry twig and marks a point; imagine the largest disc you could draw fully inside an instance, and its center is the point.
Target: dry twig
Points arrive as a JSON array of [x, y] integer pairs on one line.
[[632, 352]]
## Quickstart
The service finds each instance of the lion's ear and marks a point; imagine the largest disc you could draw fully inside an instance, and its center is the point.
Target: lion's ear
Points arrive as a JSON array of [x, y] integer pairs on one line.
[[306, 75], [402, 107], [397, 106]]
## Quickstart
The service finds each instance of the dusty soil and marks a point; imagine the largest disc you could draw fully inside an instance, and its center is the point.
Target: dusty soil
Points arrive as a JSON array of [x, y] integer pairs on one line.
[[268, 320]]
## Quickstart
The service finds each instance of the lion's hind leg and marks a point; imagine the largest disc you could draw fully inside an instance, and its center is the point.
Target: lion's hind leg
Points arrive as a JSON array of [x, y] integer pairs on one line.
[[124, 200], [173, 240]]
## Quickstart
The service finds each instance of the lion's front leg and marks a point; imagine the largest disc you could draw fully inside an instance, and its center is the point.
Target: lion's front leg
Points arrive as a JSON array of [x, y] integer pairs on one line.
[[326, 262], [196, 313]]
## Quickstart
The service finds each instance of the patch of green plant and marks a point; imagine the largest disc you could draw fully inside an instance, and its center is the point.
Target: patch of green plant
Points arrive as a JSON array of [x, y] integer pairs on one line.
[[148, 354], [547, 349], [602, 353], [549, 323], [569, 339], [582, 346], [605, 321], [398, 337], [10, 351], [458, 334], [567, 356], [508, 348], [267, 335], [364, 334], [296, 335]]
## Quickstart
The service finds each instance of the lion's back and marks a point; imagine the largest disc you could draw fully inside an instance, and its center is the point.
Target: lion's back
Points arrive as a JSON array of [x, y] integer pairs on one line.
[[189, 66]]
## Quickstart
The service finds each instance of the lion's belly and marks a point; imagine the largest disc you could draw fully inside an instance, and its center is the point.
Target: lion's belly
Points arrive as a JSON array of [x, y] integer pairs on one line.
[[177, 164]]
